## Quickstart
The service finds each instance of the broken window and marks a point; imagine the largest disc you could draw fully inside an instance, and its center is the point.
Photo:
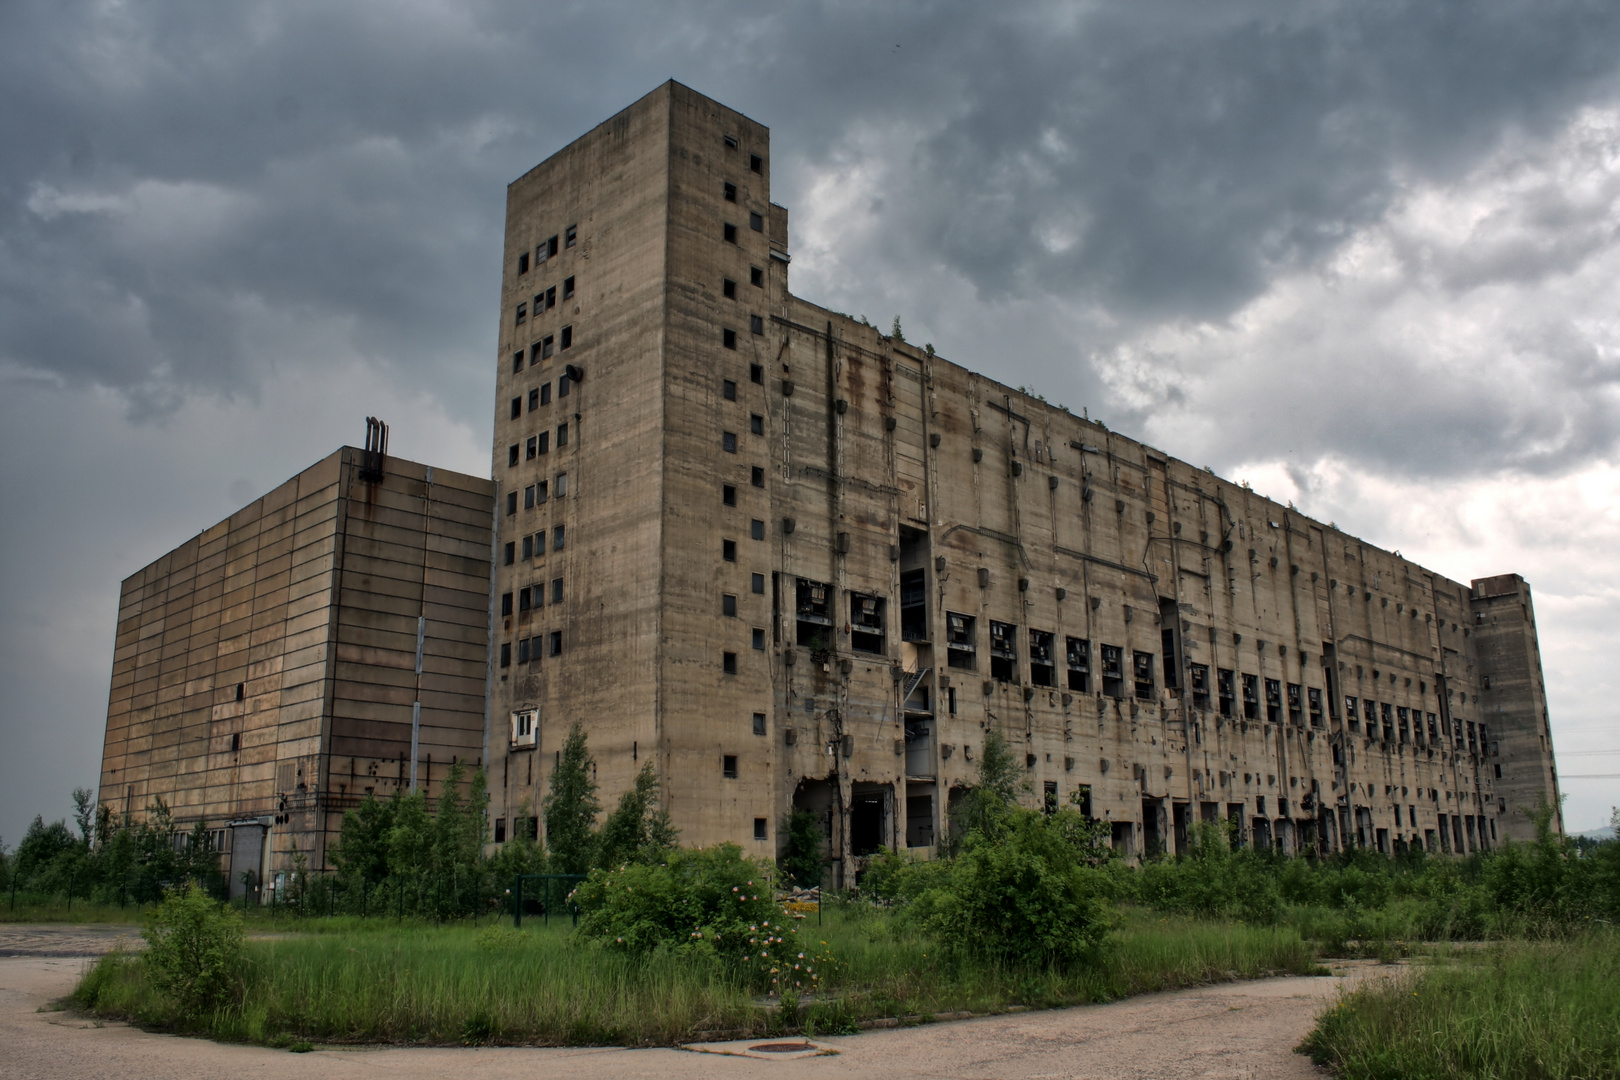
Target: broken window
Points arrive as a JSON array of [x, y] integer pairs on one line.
[[1142, 670], [730, 192], [556, 590], [759, 723], [522, 314], [1251, 697], [1296, 711], [568, 288], [1313, 703], [1198, 683], [517, 361], [728, 765], [756, 529], [510, 553], [730, 233], [728, 663], [517, 407], [523, 600], [523, 263], [728, 550], [728, 605], [1225, 691], [1042, 672], [913, 606], [728, 338], [961, 644], [540, 490], [1351, 713], [545, 250], [556, 640], [1387, 712], [545, 393], [1078, 655], [728, 494], [813, 615], [1403, 723], [756, 277], [866, 623], [1434, 730], [567, 342], [570, 235], [756, 374], [1003, 651], [1081, 798], [756, 476], [511, 503], [1113, 671], [557, 538], [530, 448], [1274, 705], [534, 399]]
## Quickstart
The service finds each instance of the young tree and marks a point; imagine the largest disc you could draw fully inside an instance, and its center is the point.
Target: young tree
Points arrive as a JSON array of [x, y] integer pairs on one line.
[[984, 808], [639, 830], [801, 862], [84, 813], [571, 807], [363, 842]]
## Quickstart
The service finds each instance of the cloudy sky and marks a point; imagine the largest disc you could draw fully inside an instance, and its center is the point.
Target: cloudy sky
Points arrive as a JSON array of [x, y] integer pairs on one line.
[[1362, 254]]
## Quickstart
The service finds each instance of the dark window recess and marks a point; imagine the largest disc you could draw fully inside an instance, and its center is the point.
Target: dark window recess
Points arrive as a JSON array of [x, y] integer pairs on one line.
[[523, 263], [1274, 705], [1225, 692], [756, 223], [522, 314], [1079, 659], [1198, 683], [1389, 722], [1369, 713], [731, 192], [913, 606], [759, 723], [567, 341], [756, 476], [529, 545], [1049, 797], [1251, 697], [759, 637], [1113, 671], [756, 584], [570, 235], [1042, 672], [511, 503], [1003, 651], [731, 142], [517, 361], [556, 643], [540, 492], [556, 590], [759, 829], [545, 442], [728, 663], [1296, 704], [534, 399], [1167, 647], [756, 163], [545, 301], [568, 288], [756, 374], [866, 623], [756, 324], [961, 641], [562, 436], [546, 250], [728, 289], [510, 554], [557, 538], [530, 448], [512, 454], [546, 345], [517, 407], [728, 763], [728, 605], [523, 600], [728, 441], [506, 603], [1142, 669], [814, 616], [564, 385], [729, 232], [756, 277], [506, 654], [728, 338], [728, 494], [756, 529], [500, 822], [728, 550], [1403, 723], [523, 650], [756, 424]]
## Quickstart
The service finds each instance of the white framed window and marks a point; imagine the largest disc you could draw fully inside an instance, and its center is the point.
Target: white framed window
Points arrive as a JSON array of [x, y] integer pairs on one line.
[[525, 727]]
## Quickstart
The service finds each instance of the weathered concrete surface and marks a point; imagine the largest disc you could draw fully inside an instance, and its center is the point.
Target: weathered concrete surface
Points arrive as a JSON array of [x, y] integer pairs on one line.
[[1236, 1030]]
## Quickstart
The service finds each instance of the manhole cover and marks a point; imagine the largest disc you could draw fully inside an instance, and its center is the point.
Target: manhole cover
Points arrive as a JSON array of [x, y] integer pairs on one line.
[[783, 1048]]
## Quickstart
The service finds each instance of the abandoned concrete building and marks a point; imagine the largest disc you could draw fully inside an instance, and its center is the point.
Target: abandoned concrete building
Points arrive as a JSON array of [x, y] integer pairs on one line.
[[799, 564], [328, 640]]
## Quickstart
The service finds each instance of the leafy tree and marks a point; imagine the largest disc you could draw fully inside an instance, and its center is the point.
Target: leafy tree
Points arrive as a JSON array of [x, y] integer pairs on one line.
[[41, 845], [896, 332], [801, 863], [985, 807], [194, 949], [571, 807], [363, 841], [84, 813], [639, 830]]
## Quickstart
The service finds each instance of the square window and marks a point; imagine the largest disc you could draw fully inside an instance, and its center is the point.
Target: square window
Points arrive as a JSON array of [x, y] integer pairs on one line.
[[757, 529], [728, 494], [728, 441], [731, 192], [564, 385], [528, 497], [759, 829], [567, 337], [756, 163], [728, 665], [728, 289], [556, 590], [757, 584], [562, 436], [728, 550], [557, 538], [560, 488], [756, 277], [728, 763], [728, 338], [530, 448], [759, 723], [510, 553], [728, 390], [729, 232], [506, 654], [511, 503], [758, 477], [522, 314], [728, 605], [570, 235], [756, 374], [512, 455], [517, 361], [534, 399], [756, 223], [545, 394], [556, 643], [759, 638], [523, 263], [756, 424], [568, 288]]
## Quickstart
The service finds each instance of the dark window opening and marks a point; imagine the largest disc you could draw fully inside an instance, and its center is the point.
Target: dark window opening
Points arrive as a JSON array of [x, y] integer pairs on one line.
[[1403, 724], [731, 142], [728, 605], [813, 615], [756, 374], [728, 495], [510, 554], [728, 441], [517, 361], [545, 393], [759, 829], [1082, 799], [556, 643], [1042, 672], [506, 654], [1251, 697], [531, 448], [756, 424], [730, 192], [756, 163], [728, 338], [1223, 687], [523, 263], [1198, 683], [1143, 671], [570, 235], [545, 442], [728, 289], [759, 638], [512, 455], [913, 606], [1296, 705], [756, 277], [1113, 671], [521, 315], [1387, 713], [562, 436], [524, 602], [511, 503], [728, 664], [730, 233], [756, 584], [756, 529], [756, 324], [1078, 655], [546, 345], [556, 590], [529, 545], [557, 538], [534, 399], [756, 223], [757, 476], [728, 550], [961, 643], [866, 623], [568, 288], [1352, 713], [523, 650], [759, 723], [517, 407], [1003, 651], [540, 490], [566, 343]]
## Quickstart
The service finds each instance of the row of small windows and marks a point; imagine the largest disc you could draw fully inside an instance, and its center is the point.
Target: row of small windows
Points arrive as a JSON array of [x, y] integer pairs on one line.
[[537, 446], [728, 336], [756, 278], [531, 597], [547, 249], [543, 302], [535, 495], [541, 395], [543, 350], [729, 231], [530, 650]]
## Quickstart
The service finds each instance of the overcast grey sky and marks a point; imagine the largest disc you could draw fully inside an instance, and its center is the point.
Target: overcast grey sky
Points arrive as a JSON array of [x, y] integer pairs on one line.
[[1363, 255]]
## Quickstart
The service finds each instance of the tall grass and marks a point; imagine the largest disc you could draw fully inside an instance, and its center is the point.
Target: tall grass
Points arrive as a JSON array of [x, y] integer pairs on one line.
[[1524, 1010], [542, 987]]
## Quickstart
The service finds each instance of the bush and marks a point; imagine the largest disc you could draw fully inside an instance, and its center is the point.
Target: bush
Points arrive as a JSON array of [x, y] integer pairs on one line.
[[801, 863], [194, 950]]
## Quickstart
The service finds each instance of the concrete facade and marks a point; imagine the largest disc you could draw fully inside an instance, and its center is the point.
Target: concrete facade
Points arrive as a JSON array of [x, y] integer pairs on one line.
[[275, 668], [805, 565]]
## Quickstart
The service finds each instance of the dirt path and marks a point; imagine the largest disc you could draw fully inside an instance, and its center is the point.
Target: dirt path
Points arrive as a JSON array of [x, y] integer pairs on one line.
[[1235, 1031]]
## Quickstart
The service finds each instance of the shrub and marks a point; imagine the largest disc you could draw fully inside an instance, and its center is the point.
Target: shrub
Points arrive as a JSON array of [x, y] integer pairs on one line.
[[194, 950], [801, 862]]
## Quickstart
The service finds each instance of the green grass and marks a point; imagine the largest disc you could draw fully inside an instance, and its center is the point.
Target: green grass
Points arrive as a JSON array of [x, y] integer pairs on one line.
[[1522, 1010], [459, 984], [55, 910]]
